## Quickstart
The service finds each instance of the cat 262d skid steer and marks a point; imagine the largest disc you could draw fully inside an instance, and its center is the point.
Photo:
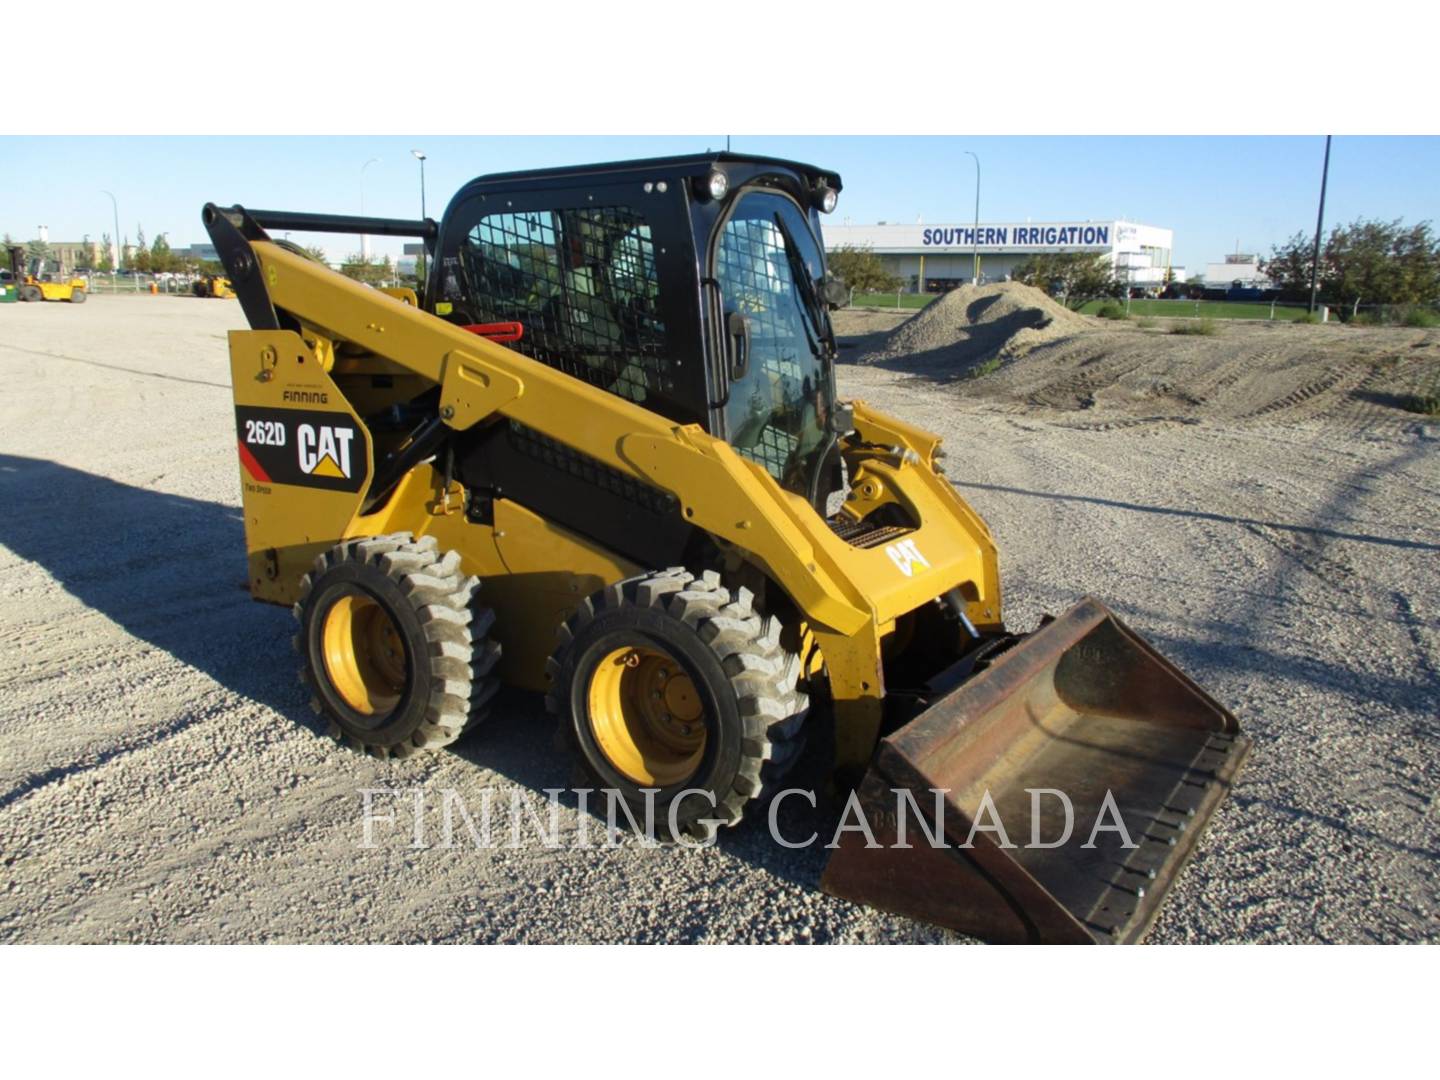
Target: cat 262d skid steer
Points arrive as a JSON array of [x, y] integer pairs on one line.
[[602, 456]]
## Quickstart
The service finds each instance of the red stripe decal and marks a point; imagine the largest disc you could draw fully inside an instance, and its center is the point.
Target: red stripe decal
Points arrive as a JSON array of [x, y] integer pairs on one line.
[[252, 466]]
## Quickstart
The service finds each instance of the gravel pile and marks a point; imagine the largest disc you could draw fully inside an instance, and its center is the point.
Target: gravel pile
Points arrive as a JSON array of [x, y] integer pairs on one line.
[[973, 324]]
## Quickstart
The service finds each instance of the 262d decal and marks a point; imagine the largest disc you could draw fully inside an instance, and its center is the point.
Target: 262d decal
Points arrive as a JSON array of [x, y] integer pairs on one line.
[[297, 446]]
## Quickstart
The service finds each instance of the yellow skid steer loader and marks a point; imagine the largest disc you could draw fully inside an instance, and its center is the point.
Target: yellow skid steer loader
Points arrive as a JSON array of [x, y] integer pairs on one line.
[[600, 454], [212, 286]]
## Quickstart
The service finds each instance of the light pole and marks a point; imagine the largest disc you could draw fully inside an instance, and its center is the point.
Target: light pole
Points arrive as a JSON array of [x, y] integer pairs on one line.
[[976, 269], [419, 156], [115, 239], [420, 267], [1319, 224], [364, 239]]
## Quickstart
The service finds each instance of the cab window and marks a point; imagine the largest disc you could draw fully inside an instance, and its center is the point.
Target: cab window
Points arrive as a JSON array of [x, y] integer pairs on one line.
[[582, 282]]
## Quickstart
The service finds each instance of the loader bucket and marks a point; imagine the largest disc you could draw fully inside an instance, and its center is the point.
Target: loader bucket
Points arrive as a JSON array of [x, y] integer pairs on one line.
[[1082, 706]]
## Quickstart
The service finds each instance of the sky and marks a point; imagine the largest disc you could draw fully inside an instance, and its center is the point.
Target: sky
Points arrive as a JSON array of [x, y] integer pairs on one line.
[[1216, 193]]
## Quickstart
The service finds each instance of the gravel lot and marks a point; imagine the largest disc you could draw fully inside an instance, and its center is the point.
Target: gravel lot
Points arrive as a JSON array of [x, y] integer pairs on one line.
[[162, 778]]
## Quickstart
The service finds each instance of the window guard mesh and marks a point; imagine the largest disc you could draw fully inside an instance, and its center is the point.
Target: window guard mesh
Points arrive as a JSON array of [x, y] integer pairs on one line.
[[583, 282]]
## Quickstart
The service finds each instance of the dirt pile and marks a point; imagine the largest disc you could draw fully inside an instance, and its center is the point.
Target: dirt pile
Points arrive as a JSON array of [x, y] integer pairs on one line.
[[1089, 373], [1358, 378], [973, 324]]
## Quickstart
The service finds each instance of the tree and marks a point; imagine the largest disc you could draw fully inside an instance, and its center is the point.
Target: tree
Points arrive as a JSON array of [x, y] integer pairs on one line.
[[1416, 251], [1372, 262], [317, 253], [1094, 278], [1075, 276], [369, 270], [1288, 267], [140, 260], [162, 259], [37, 249], [1382, 263], [861, 269], [85, 260]]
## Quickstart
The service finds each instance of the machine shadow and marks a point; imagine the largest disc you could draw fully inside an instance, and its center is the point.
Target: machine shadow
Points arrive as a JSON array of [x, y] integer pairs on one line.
[[170, 571], [167, 569]]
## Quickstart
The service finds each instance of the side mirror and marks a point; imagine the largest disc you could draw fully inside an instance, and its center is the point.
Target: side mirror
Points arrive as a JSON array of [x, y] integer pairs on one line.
[[834, 291]]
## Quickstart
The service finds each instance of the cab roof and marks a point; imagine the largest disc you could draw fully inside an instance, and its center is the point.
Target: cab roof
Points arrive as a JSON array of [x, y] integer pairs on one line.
[[660, 167]]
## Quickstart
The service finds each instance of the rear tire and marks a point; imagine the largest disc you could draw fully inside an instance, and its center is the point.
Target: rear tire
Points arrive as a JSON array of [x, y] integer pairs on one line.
[[671, 682], [77, 296], [396, 649]]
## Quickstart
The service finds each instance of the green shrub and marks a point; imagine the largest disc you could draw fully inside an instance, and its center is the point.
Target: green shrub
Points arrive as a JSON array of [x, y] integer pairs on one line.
[[1428, 404], [1146, 323], [1201, 327], [1110, 310], [1420, 318], [993, 364], [1308, 317], [1365, 318]]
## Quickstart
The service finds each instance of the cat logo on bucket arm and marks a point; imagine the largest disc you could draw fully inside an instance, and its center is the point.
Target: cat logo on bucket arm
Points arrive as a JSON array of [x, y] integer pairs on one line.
[[907, 558]]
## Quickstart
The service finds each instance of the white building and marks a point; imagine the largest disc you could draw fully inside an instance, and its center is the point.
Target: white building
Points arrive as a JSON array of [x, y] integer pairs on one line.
[[1237, 270], [937, 257]]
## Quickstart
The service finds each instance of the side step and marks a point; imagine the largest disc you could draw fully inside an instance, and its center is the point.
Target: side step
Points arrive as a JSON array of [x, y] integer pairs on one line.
[[1082, 712]]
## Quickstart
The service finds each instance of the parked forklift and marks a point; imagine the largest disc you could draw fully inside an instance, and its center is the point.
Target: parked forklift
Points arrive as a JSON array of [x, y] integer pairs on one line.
[[603, 457], [44, 279]]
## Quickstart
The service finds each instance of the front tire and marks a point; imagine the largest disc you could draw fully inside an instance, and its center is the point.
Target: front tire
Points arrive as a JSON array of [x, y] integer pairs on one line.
[[670, 683], [395, 648], [30, 294]]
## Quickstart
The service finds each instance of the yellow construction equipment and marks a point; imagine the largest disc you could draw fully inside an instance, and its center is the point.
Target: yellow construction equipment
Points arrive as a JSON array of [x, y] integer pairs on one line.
[[45, 280], [603, 457], [213, 286]]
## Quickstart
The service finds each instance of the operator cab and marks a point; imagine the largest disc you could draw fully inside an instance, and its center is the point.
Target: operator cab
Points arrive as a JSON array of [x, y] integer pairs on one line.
[[693, 286]]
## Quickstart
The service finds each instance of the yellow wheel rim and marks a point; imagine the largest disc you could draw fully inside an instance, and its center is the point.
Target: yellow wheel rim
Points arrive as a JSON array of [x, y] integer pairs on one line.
[[646, 716], [364, 654]]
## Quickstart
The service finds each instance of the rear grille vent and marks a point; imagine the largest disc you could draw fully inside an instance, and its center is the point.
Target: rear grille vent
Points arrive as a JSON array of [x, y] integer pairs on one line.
[[866, 534]]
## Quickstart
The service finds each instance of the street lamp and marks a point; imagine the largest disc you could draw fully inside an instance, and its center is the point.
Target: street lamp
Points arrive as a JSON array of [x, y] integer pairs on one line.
[[976, 269], [1319, 226], [364, 239], [115, 240], [419, 156]]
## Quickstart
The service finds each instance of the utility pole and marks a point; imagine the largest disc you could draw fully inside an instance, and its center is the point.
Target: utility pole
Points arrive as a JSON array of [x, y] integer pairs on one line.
[[1319, 225], [117, 251], [421, 157], [975, 270], [421, 269]]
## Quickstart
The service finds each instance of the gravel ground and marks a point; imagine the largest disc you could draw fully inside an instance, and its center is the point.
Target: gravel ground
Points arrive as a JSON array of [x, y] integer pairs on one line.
[[163, 780]]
